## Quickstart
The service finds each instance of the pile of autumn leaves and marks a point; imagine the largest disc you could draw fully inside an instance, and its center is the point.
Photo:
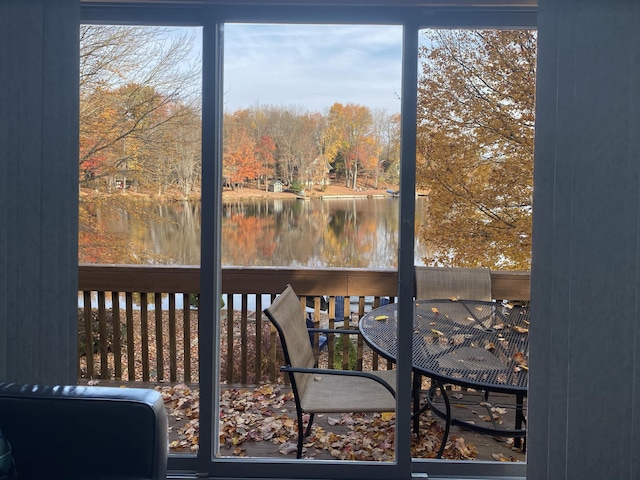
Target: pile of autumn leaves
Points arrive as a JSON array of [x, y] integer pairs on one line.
[[264, 415]]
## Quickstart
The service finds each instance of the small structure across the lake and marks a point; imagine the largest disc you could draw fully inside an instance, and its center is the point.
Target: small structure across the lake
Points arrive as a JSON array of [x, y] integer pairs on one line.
[[275, 186]]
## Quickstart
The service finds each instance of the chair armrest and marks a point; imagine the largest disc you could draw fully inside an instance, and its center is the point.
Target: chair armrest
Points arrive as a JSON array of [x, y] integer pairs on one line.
[[347, 373]]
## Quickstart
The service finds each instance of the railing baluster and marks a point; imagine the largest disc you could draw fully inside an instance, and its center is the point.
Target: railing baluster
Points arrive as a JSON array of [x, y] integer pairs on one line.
[[117, 335], [195, 357], [244, 337], [79, 325], [331, 336], [316, 324], [345, 338], [374, 355], [88, 334], [144, 335], [173, 351], [359, 339], [230, 345], [273, 342], [102, 335], [259, 353], [159, 337], [390, 364], [131, 347], [186, 336]]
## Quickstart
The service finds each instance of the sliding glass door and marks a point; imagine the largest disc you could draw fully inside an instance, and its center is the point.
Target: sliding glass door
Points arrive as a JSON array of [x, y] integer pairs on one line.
[[293, 103]]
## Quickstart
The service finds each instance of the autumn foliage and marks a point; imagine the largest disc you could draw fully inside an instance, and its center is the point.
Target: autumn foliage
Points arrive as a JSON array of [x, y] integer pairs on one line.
[[475, 146]]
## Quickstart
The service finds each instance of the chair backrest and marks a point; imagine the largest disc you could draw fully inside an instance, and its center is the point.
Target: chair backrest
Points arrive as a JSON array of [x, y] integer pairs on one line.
[[287, 315], [446, 282]]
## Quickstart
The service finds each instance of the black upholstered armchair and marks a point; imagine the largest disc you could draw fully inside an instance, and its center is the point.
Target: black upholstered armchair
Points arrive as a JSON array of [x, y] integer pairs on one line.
[[78, 432]]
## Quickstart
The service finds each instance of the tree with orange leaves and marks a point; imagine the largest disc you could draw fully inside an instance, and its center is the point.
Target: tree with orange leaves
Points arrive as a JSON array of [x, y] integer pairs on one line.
[[476, 112], [350, 143], [240, 161]]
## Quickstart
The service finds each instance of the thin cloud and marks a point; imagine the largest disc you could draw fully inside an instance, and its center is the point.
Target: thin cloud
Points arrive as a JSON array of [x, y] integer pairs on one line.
[[312, 65]]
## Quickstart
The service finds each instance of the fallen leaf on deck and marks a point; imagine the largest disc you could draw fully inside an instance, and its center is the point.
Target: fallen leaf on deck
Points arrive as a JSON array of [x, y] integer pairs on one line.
[[287, 448], [499, 457]]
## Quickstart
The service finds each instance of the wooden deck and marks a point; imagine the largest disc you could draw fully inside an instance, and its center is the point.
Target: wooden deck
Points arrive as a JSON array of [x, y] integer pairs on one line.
[[489, 448], [336, 426]]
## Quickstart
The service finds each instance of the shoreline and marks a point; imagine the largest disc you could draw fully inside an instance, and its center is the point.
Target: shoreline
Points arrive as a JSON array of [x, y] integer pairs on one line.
[[248, 193]]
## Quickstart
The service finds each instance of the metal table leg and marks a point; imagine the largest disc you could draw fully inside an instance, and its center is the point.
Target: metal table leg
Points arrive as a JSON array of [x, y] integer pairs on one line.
[[447, 427]]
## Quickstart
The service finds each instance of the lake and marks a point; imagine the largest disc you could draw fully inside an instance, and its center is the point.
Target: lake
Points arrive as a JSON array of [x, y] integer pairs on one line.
[[329, 232]]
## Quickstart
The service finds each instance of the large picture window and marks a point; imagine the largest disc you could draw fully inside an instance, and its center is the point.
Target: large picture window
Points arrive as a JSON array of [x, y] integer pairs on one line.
[[303, 146]]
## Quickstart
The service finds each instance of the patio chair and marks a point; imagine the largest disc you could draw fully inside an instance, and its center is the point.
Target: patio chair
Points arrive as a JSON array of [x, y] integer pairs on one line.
[[439, 283], [317, 390], [435, 283]]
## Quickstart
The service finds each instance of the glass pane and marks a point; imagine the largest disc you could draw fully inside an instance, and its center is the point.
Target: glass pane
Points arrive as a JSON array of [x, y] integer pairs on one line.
[[474, 178], [310, 156], [140, 177]]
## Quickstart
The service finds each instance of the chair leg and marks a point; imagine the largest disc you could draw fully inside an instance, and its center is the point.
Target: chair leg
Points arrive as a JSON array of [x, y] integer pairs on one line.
[[308, 430], [300, 434]]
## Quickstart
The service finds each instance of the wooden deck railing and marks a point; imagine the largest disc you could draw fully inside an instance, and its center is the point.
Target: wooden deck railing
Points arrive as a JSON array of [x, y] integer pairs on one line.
[[140, 322]]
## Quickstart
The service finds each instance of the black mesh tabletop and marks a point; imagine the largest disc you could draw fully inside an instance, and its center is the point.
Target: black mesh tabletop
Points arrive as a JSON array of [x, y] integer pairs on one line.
[[476, 344]]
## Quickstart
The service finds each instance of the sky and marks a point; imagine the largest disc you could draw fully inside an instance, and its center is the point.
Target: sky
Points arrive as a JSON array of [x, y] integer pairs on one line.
[[312, 66]]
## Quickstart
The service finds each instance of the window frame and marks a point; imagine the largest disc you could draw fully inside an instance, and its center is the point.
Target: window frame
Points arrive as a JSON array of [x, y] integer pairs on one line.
[[211, 16]]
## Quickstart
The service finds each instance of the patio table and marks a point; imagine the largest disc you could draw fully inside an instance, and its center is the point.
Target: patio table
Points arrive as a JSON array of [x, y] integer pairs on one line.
[[469, 343]]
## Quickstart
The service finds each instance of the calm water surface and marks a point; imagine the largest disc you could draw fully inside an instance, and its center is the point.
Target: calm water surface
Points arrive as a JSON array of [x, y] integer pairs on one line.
[[355, 233]]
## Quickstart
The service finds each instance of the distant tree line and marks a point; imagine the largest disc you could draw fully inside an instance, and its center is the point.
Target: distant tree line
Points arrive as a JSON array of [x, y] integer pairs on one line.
[[265, 143], [140, 124]]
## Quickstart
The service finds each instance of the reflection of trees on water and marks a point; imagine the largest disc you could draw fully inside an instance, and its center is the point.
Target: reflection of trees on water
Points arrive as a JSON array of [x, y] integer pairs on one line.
[[355, 233]]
